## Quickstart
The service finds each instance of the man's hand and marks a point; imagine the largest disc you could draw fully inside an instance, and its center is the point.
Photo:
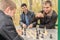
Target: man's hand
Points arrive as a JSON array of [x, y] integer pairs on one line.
[[30, 26], [39, 15], [19, 31], [24, 25]]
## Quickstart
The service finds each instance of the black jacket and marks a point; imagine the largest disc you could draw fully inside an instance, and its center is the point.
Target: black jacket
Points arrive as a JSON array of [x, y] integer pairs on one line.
[[7, 28], [31, 17], [48, 21]]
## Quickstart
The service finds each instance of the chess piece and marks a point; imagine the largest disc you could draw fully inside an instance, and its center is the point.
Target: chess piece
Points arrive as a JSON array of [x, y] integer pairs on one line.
[[51, 36], [39, 32], [22, 33], [37, 35], [25, 31], [44, 30], [42, 36]]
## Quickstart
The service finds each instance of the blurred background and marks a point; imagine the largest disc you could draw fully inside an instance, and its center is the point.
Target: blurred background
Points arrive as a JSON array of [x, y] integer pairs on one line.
[[34, 5]]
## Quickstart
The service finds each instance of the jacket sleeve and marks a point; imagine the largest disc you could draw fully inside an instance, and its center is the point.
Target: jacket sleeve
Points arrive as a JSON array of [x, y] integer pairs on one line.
[[52, 21], [8, 30], [34, 20], [21, 20]]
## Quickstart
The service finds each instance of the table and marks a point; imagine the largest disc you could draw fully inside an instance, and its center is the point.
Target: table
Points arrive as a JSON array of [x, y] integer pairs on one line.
[[31, 34]]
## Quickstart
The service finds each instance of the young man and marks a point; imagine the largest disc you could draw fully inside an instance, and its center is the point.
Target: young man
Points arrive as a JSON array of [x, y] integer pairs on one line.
[[47, 16], [27, 17], [7, 28]]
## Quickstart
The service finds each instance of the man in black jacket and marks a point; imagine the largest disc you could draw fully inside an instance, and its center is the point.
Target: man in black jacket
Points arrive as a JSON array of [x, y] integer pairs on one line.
[[27, 17], [7, 28], [47, 16]]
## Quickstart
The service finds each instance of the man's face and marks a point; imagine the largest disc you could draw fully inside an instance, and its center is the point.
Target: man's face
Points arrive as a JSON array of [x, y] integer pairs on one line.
[[9, 11], [47, 8], [12, 12], [24, 8]]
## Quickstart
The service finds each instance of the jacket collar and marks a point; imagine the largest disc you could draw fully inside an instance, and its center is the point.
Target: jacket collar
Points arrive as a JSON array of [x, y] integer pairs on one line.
[[5, 14], [27, 12], [50, 13]]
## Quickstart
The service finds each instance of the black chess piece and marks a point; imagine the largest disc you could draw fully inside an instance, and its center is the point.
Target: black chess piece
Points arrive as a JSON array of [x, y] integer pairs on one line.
[[37, 34], [43, 31], [42, 36], [50, 36], [25, 31], [22, 33]]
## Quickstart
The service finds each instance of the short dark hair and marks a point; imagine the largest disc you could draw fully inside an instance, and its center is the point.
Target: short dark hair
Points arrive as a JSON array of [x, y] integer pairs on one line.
[[48, 2], [24, 4]]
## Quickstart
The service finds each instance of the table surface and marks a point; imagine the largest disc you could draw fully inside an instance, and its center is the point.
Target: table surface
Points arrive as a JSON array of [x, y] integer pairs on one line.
[[31, 34]]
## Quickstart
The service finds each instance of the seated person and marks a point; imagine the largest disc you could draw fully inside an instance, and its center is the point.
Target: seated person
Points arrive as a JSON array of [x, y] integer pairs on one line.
[[7, 28], [47, 16], [27, 17]]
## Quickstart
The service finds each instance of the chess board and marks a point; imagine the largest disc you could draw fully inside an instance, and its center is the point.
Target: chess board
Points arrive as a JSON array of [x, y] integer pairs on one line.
[[32, 34]]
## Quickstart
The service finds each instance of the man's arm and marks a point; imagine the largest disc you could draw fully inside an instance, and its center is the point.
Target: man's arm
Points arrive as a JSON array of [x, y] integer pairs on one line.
[[8, 30], [21, 20], [52, 22], [34, 20], [23, 25]]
